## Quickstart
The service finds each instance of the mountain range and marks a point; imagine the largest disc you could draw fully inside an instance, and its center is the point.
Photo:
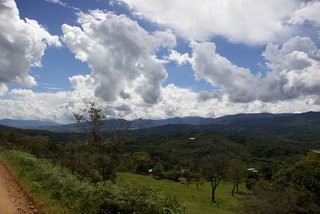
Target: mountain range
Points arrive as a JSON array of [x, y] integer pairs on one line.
[[301, 127], [112, 124], [28, 124]]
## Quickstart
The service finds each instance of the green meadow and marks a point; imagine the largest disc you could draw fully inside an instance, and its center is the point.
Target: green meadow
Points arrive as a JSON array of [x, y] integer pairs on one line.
[[195, 200]]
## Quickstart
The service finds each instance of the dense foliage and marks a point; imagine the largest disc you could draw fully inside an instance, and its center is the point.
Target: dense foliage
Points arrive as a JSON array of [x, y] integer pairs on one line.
[[298, 187]]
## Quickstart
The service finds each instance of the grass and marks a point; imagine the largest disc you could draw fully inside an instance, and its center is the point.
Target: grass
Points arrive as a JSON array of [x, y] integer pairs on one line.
[[41, 196], [195, 200], [56, 190]]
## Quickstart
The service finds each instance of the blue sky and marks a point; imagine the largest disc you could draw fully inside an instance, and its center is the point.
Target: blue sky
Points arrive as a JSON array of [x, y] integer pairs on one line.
[[158, 59]]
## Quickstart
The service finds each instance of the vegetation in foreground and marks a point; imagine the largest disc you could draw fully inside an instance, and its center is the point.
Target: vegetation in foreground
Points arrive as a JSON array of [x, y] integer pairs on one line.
[[61, 192], [58, 191]]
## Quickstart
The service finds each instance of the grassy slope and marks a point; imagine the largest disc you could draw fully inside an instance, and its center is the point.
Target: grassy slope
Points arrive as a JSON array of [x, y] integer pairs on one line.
[[195, 200]]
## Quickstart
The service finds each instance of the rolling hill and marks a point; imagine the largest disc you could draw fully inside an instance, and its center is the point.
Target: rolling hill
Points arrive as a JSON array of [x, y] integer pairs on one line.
[[303, 127]]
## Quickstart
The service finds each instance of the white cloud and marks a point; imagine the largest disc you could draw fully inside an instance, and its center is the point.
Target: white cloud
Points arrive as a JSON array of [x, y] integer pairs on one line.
[[309, 12], [22, 45], [178, 58], [120, 54], [293, 72], [55, 106], [220, 72], [247, 21], [295, 68], [3, 89], [26, 104], [63, 4], [185, 102], [175, 101]]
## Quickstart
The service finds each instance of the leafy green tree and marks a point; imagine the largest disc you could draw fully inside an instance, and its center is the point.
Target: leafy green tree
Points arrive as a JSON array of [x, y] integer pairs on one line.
[[214, 169], [158, 170], [236, 173], [13, 139], [97, 158], [304, 175], [107, 158], [141, 162], [37, 145], [71, 156], [268, 170], [195, 171]]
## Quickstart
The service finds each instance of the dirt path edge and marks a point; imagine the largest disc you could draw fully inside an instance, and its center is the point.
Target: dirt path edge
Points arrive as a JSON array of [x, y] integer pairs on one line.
[[16, 192]]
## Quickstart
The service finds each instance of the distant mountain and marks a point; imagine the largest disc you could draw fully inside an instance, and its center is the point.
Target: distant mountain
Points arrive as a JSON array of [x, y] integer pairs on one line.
[[27, 124], [304, 127], [249, 118], [110, 124], [142, 123], [298, 127]]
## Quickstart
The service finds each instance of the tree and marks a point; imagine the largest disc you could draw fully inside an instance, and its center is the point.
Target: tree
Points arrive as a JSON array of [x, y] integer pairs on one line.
[[140, 162], [195, 171], [265, 199], [304, 175], [13, 138], [37, 145], [98, 158], [214, 169], [268, 170], [187, 175], [298, 187], [158, 170], [92, 114], [236, 172]]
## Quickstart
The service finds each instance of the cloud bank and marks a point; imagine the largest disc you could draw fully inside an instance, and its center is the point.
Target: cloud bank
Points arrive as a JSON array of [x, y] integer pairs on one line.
[[247, 21], [294, 71], [58, 106]]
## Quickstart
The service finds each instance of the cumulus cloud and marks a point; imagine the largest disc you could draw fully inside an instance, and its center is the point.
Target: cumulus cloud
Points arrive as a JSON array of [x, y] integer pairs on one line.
[[295, 67], [220, 72], [22, 45], [120, 54], [309, 12], [30, 105], [54, 106], [247, 21], [293, 71], [180, 59]]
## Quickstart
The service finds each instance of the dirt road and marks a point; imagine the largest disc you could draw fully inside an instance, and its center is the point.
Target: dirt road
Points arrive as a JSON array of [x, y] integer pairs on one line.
[[13, 200]]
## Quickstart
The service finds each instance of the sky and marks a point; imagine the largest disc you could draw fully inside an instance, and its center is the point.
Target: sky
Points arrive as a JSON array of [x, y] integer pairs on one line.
[[158, 59]]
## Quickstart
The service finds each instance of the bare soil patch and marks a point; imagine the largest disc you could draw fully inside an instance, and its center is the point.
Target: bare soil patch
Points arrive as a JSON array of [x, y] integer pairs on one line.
[[13, 198]]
